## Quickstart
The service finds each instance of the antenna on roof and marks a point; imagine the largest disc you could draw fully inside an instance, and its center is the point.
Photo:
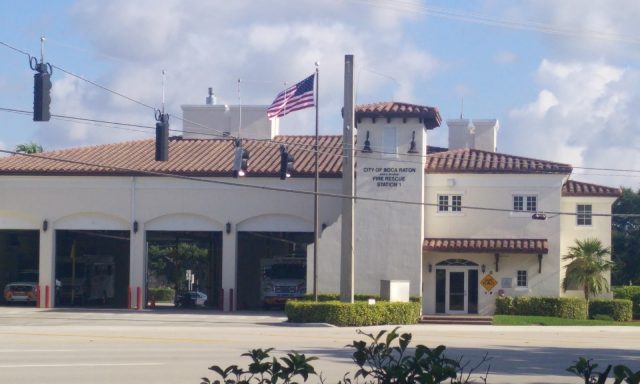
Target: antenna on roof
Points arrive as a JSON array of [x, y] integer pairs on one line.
[[461, 105], [163, 73]]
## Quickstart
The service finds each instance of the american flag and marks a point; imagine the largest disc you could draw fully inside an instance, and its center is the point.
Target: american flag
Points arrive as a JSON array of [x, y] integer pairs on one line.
[[294, 98]]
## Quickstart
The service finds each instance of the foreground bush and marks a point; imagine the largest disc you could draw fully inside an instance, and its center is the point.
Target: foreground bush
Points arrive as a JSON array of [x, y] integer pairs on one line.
[[629, 292], [617, 309], [386, 358], [350, 315], [587, 370], [383, 358], [564, 307]]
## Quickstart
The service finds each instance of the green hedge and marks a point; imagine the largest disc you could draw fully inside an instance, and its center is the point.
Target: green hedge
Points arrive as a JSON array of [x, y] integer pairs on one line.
[[617, 309], [356, 314], [162, 294], [564, 307], [629, 292], [356, 297]]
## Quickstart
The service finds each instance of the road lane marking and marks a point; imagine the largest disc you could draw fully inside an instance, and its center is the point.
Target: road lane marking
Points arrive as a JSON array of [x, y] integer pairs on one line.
[[66, 365]]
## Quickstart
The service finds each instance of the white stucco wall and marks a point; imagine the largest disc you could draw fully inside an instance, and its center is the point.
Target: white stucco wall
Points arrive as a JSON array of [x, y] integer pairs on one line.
[[210, 121], [388, 238], [570, 231], [162, 204], [496, 191]]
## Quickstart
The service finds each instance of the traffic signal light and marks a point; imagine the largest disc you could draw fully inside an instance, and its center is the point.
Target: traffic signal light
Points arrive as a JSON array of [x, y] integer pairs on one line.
[[240, 160], [286, 163], [41, 93], [162, 137]]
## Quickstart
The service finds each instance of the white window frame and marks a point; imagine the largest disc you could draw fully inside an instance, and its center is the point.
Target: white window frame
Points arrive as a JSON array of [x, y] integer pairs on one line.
[[443, 203], [522, 274], [525, 200], [585, 216], [447, 205]]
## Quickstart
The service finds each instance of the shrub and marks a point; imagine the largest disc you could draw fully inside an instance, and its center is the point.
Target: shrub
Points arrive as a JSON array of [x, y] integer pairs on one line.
[[629, 292], [564, 307], [586, 369], [356, 314], [381, 361], [162, 294], [384, 358], [617, 309], [356, 297], [264, 370]]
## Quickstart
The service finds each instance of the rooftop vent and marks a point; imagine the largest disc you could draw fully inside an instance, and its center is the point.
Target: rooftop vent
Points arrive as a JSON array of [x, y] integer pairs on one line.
[[211, 99]]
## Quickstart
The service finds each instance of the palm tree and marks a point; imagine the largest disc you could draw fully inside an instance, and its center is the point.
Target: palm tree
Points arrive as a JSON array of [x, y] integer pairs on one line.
[[29, 148], [587, 267]]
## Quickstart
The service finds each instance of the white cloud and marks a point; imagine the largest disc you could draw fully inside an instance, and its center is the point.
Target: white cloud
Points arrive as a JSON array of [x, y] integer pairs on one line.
[[537, 109], [202, 44], [583, 115], [585, 27]]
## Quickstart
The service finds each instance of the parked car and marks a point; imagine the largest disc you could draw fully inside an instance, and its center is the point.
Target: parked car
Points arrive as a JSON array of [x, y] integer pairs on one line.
[[187, 299], [24, 289]]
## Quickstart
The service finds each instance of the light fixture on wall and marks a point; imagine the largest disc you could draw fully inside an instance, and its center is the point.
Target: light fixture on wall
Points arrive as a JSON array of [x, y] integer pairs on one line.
[[539, 216], [367, 144], [483, 268], [413, 148], [45, 225], [228, 227], [430, 268], [135, 226]]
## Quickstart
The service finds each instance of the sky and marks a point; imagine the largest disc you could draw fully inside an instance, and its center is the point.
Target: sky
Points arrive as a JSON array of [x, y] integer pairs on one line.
[[562, 77]]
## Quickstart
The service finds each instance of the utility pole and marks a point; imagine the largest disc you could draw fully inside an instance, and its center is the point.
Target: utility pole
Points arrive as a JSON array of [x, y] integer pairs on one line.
[[316, 229], [346, 259]]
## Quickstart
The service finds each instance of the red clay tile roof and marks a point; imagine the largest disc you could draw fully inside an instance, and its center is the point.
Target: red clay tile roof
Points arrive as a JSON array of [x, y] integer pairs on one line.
[[577, 188], [476, 161], [486, 245], [430, 115], [202, 158]]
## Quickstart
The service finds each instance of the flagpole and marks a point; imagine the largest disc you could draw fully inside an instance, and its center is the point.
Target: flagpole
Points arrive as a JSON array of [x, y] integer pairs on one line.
[[315, 196]]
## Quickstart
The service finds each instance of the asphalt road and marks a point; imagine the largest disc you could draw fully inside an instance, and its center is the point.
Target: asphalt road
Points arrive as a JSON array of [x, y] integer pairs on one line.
[[73, 347]]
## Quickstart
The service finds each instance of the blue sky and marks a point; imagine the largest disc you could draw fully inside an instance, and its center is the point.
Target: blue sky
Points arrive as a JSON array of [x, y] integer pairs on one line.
[[563, 91]]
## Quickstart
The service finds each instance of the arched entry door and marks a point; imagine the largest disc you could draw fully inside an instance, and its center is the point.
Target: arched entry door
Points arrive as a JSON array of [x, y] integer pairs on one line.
[[456, 286]]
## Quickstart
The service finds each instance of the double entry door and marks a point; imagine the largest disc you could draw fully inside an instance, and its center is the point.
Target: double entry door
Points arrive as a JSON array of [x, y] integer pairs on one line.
[[456, 290]]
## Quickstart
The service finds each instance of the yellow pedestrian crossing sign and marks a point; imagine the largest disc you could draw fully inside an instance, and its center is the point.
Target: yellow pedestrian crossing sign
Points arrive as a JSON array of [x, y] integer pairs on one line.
[[488, 282]]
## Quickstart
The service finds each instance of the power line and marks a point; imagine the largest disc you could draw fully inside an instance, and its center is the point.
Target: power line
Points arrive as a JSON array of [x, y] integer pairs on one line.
[[294, 191], [304, 147], [102, 87], [15, 49], [476, 18], [309, 147]]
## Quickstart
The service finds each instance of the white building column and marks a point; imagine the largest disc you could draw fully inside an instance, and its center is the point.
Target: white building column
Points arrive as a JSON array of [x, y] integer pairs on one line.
[[229, 267], [137, 255], [137, 267], [47, 264]]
